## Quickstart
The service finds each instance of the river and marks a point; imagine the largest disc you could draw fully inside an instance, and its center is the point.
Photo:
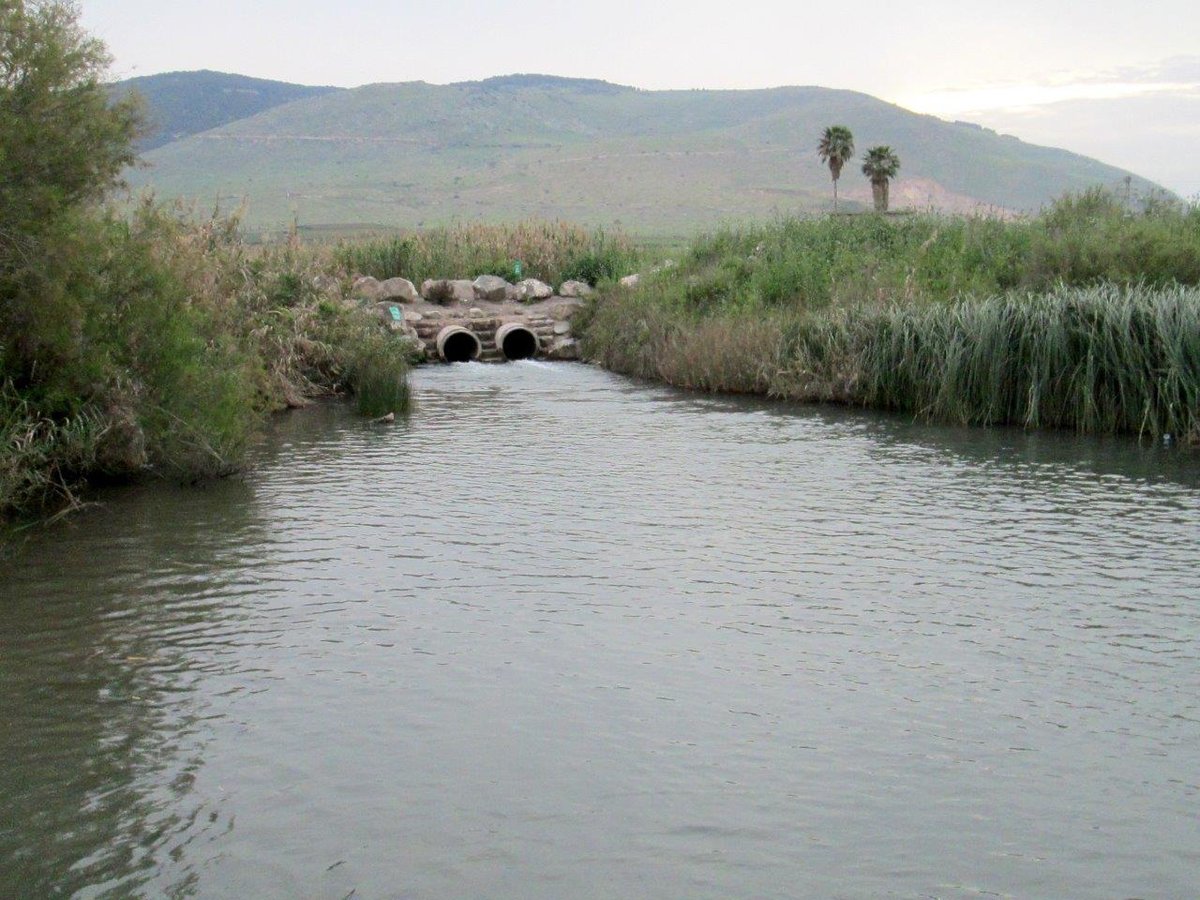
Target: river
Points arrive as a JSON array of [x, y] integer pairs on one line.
[[564, 635]]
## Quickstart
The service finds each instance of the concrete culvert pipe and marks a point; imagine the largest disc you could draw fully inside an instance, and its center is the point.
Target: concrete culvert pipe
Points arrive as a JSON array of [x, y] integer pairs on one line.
[[457, 344], [516, 341]]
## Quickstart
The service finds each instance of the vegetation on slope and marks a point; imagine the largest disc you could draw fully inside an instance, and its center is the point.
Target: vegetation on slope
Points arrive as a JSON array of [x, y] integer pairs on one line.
[[180, 104], [656, 162], [1087, 317]]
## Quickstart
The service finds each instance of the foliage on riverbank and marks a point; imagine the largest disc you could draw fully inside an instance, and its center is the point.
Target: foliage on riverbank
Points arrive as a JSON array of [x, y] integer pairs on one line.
[[142, 342], [551, 251], [1086, 318], [154, 345]]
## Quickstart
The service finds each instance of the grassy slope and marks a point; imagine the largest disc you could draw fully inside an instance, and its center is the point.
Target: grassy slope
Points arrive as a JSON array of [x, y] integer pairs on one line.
[[654, 161]]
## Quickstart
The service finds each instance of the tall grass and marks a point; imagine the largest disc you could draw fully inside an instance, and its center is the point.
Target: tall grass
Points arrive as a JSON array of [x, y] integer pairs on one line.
[[1085, 318], [1105, 359], [41, 458], [551, 251], [1102, 360], [1083, 240]]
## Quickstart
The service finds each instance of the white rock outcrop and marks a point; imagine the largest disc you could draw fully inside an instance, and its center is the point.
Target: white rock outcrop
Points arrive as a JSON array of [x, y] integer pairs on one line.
[[531, 290]]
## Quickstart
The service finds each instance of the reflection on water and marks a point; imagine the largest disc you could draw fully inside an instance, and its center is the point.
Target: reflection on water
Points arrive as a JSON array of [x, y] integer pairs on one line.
[[562, 634]]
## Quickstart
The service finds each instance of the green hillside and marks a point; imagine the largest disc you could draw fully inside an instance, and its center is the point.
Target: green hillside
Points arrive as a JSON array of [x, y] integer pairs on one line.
[[537, 146], [185, 103]]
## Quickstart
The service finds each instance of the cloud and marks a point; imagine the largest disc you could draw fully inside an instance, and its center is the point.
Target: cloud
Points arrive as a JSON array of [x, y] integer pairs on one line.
[[1174, 70], [1177, 75]]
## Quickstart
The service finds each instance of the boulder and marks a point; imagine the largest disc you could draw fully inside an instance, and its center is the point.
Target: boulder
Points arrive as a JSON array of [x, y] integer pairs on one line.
[[491, 288], [576, 289], [393, 321], [630, 281], [562, 327], [434, 289], [366, 289], [445, 291], [564, 348], [531, 289], [400, 290], [564, 309]]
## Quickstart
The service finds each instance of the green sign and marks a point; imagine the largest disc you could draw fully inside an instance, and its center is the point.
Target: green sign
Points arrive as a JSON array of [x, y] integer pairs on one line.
[[395, 311]]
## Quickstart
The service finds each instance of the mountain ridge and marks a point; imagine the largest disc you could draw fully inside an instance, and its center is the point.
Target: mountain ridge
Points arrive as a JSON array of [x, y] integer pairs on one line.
[[529, 145], [185, 103]]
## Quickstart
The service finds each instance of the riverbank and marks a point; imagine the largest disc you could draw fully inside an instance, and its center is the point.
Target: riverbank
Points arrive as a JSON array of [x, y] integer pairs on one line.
[[157, 346], [1085, 318]]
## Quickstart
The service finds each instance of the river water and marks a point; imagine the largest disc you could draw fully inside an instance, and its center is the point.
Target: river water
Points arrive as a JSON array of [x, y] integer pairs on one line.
[[565, 635]]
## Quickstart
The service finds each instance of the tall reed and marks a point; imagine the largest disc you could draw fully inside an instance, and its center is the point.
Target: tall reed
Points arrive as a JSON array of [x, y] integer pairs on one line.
[[1104, 359], [551, 251]]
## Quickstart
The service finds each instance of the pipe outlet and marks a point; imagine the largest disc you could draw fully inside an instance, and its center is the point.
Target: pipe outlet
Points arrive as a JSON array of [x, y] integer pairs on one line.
[[516, 341], [457, 344]]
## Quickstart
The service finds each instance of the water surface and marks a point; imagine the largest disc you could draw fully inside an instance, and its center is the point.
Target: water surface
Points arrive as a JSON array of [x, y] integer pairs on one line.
[[566, 635]]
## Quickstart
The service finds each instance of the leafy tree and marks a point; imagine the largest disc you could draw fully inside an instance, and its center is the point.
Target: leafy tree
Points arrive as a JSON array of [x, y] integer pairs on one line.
[[61, 142], [835, 149], [880, 165], [62, 146]]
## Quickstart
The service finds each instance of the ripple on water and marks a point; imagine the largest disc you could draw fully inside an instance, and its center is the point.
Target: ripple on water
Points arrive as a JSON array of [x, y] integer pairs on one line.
[[563, 634]]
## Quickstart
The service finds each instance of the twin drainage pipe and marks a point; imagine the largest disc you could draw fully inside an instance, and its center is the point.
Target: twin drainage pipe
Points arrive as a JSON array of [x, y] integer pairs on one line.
[[514, 341]]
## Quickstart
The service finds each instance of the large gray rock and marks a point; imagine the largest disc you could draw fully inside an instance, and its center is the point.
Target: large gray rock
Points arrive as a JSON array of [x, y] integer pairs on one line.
[[366, 289], [394, 321], [564, 309], [531, 290], [576, 289], [400, 290], [491, 288], [444, 291], [564, 348]]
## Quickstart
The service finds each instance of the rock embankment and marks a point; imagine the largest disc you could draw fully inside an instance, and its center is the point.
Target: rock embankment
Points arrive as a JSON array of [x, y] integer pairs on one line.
[[482, 307]]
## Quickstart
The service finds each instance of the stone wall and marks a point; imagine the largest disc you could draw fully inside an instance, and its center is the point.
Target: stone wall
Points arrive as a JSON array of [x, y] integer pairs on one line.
[[481, 306]]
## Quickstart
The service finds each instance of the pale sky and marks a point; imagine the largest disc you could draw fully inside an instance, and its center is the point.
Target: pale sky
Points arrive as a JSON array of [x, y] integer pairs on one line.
[[993, 63]]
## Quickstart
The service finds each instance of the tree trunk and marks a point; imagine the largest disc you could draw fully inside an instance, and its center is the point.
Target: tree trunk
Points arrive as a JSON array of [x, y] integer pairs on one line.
[[835, 195], [879, 193]]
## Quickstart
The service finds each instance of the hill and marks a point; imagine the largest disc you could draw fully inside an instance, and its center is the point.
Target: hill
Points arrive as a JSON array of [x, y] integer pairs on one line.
[[186, 103], [538, 146]]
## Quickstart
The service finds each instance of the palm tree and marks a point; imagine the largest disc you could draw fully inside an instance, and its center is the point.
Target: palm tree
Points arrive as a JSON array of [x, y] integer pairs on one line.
[[880, 165], [835, 149]]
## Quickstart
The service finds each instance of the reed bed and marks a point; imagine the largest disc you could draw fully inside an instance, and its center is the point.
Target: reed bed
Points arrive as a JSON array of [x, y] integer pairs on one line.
[[1098, 360], [1086, 317], [1106, 359], [551, 251]]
